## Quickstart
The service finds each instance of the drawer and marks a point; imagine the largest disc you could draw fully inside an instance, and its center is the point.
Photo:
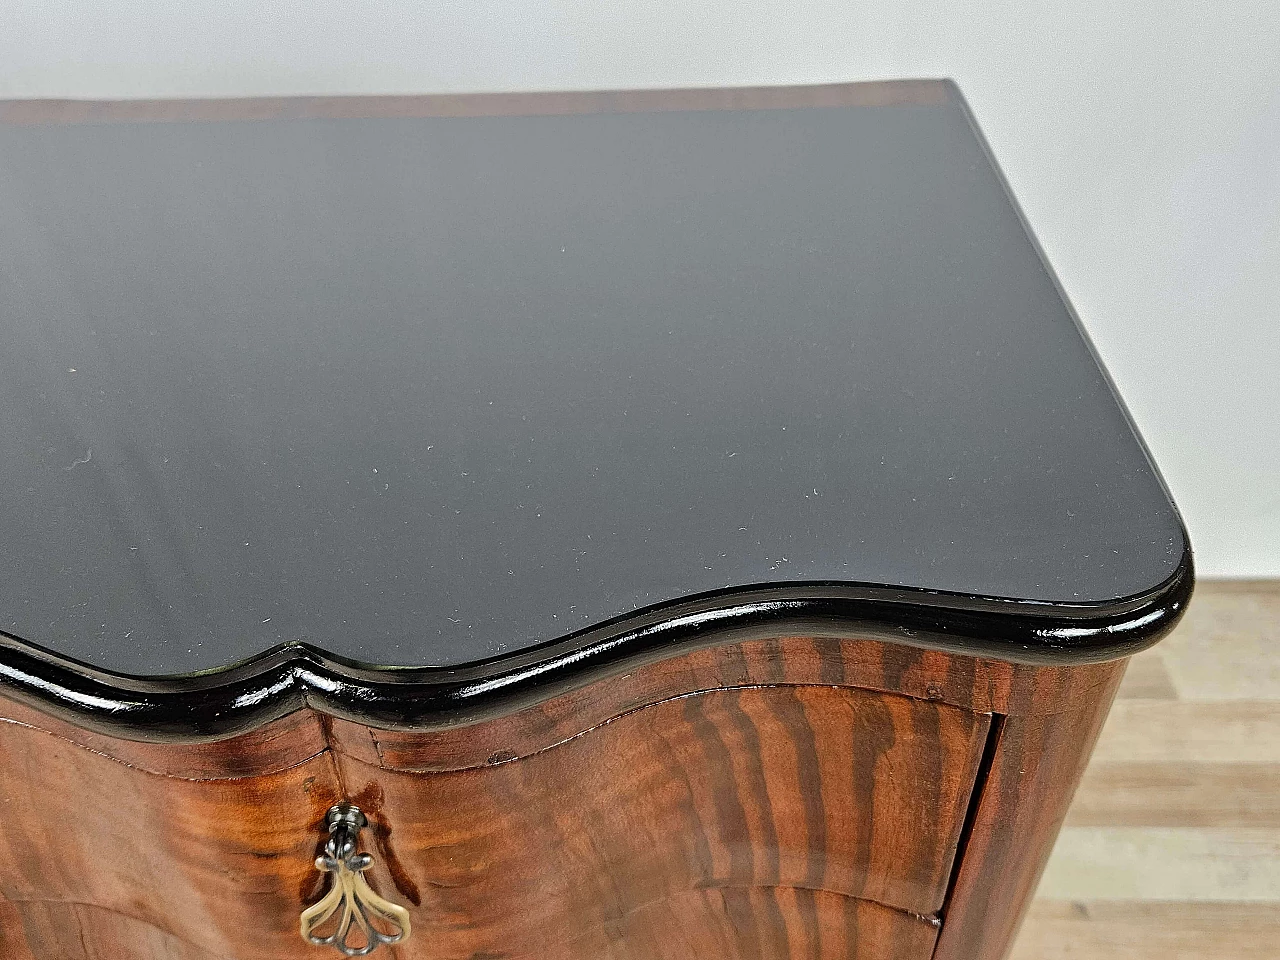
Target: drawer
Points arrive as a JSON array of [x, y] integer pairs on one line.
[[105, 859], [765, 822], [715, 824]]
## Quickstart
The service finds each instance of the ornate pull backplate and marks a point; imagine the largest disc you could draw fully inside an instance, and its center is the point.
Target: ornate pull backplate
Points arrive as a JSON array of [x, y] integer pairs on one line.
[[350, 899]]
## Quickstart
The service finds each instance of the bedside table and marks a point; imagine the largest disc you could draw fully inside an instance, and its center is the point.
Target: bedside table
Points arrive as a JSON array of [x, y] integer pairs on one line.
[[630, 525]]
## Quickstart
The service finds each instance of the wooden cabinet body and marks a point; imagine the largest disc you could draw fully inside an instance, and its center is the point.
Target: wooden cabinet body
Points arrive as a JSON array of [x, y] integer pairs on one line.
[[779, 799], [686, 524]]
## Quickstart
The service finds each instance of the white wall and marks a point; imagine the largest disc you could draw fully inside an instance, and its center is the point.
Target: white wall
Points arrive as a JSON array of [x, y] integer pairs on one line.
[[1142, 139]]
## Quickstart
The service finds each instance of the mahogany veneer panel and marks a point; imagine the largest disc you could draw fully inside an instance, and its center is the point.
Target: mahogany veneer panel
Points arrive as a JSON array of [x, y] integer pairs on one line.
[[979, 684], [726, 924], [856, 793], [76, 931], [1036, 765], [221, 864], [814, 807], [758, 793], [761, 923]]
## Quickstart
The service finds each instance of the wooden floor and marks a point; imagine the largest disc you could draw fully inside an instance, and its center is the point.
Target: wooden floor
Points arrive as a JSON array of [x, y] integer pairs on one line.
[[1172, 847]]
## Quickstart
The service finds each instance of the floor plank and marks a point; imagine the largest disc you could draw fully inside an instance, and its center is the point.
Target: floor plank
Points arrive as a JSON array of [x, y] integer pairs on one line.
[[1138, 930], [1226, 646], [1179, 731], [1164, 863], [1147, 678], [1188, 794]]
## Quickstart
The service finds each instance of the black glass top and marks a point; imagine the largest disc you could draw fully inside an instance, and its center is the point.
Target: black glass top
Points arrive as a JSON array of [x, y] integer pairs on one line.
[[423, 391]]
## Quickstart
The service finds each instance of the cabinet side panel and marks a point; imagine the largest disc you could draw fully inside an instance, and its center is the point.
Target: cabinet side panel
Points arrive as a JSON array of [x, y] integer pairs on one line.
[[1036, 765]]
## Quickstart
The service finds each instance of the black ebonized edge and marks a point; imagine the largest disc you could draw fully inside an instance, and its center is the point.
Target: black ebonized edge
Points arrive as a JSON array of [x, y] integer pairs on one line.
[[217, 704]]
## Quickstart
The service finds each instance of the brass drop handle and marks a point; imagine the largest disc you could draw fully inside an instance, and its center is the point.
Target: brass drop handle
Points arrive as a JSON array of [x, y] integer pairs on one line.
[[379, 921]]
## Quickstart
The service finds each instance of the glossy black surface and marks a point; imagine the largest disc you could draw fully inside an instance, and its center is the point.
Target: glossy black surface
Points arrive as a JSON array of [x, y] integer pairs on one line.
[[434, 391], [297, 675]]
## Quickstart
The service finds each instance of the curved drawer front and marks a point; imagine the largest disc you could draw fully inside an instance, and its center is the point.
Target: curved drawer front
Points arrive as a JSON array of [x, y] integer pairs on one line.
[[756, 822], [106, 861], [858, 793]]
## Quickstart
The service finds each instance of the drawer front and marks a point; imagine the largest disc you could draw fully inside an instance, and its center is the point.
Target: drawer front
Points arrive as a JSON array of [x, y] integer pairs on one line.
[[763, 822], [104, 860], [723, 821]]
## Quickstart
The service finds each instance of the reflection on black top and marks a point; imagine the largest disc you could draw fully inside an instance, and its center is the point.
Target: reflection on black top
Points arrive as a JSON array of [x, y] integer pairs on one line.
[[427, 391]]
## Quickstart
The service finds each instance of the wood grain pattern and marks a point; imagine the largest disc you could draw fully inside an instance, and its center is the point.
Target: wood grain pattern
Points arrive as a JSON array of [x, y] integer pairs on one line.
[[757, 792], [981, 685], [760, 923], [777, 799], [78, 931], [858, 794], [1037, 762], [222, 865], [275, 746], [800, 797], [1170, 810]]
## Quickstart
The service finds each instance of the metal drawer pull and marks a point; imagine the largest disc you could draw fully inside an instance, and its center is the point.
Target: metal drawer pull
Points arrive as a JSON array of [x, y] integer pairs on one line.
[[350, 892]]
